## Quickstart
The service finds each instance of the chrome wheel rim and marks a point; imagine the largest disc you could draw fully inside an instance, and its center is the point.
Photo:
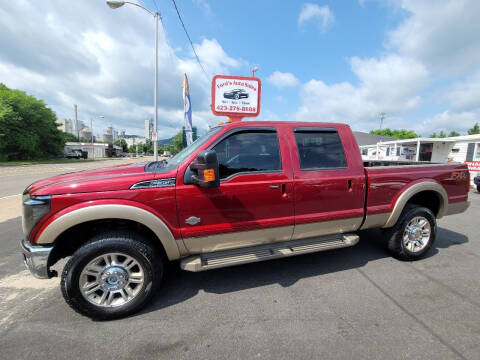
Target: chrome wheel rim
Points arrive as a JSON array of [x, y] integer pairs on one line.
[[417, 234], [111, 280]]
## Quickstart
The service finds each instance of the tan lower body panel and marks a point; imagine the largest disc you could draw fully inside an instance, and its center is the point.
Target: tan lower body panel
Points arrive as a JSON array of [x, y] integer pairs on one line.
[[375, 220], [239, 239], [234, 240], [310, 230]]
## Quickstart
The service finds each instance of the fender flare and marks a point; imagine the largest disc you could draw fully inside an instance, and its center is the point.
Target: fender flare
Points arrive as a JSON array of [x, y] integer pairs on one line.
[[407, 194], [112, 211]]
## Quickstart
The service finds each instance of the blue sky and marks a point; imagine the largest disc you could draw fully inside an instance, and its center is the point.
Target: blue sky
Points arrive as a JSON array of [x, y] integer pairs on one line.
[[267, 33], [341, 61]]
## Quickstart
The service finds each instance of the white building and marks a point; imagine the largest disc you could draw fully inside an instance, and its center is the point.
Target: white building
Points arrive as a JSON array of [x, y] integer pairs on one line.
[[463, 149], [95, 151], [134, 140], [69, 126], [148, 129]]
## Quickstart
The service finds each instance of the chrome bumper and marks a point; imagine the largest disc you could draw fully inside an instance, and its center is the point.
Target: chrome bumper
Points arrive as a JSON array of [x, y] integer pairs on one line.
[[36, 259]]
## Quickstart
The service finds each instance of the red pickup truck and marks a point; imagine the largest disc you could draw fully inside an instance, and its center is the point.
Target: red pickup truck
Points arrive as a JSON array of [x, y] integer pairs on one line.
[[244, 192]]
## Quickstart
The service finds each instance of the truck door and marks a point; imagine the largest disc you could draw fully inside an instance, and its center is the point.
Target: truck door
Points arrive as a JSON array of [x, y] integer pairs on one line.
[[329, 181], [254, 202]]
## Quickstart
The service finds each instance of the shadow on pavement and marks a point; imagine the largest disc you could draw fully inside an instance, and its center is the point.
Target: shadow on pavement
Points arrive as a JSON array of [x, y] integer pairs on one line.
[[179, 285]]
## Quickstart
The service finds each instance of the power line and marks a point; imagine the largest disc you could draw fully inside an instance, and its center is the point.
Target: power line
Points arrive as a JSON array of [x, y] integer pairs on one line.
[[190, 40], [155, 2]]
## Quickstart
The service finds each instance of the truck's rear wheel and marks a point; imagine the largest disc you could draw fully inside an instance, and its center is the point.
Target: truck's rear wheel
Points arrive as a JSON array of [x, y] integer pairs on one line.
[[111, 276], [413, 234]]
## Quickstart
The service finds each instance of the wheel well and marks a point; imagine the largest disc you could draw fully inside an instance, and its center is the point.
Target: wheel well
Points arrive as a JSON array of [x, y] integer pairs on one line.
[[72, 239], [429, 199]]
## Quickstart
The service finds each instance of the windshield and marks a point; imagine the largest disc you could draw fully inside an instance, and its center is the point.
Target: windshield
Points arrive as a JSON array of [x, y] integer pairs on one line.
[[186, 152]]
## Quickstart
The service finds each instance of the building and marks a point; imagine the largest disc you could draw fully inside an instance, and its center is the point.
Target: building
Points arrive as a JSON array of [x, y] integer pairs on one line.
[[94, 150], [148, 129], [86, 134], [134, 139], [108, 135], [71, 127], [463, 149]]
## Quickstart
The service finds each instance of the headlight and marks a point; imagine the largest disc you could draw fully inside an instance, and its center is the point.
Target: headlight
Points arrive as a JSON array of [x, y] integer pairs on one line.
[[34, 208]]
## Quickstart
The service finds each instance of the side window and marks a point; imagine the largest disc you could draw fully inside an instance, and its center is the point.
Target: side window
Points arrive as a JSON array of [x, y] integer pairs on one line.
[[248, 151], [320, 150]]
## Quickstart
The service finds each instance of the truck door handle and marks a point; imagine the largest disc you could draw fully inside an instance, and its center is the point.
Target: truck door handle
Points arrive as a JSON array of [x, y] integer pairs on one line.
[[349, 185], [274, 186]]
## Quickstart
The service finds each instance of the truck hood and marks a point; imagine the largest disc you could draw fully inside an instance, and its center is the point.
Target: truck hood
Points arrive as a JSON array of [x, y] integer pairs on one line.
[[112, 178]]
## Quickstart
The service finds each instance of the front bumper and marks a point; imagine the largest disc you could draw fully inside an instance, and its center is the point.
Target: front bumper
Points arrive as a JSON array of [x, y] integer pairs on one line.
[[35, 258]]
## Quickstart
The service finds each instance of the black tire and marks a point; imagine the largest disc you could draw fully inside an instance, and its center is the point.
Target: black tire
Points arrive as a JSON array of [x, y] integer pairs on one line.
[[478, 188], [130, 244], [395, 234]]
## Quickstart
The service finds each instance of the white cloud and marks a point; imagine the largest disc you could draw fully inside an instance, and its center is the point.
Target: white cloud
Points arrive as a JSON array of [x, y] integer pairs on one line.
[[281, 79], [465, 95], [204, 5], [389, 84], [435, 41], [441, 34], [447, 121], [103, 60], [314, 12]]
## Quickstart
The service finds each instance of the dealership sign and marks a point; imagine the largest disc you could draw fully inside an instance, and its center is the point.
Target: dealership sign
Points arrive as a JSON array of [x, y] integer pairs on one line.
[[473, 165], [236, 96]]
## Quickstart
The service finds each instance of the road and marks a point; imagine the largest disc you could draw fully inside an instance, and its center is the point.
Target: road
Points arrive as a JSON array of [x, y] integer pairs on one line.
[[354, 303], [16, 178]]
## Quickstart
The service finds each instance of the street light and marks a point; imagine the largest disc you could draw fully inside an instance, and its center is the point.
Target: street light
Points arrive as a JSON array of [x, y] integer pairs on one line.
[[115, 5], [255, 69]]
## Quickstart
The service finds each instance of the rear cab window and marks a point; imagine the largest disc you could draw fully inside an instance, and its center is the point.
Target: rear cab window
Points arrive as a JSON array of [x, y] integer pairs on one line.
[[319, 148]]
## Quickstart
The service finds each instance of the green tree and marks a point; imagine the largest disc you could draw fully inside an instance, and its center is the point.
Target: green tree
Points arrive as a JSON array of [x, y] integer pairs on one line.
[[28, 127], [442, 134], [474, 130], [453, 133], [132, 149], [69, 137], [177, 142], [434, 135], [395, 133], [123, 144]]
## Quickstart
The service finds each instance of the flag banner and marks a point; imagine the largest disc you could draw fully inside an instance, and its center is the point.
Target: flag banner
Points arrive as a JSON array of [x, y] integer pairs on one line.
[[187, 108]]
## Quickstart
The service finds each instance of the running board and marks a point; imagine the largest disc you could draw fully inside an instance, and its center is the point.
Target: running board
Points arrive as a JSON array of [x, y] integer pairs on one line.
[[233, 257]]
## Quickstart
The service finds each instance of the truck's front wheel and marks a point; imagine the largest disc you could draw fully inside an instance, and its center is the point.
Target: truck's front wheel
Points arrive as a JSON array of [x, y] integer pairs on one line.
[[111, 276], [413, 234]]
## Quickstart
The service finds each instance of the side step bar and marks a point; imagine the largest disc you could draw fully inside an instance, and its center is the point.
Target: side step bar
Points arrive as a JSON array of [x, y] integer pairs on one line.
[[266, 252]]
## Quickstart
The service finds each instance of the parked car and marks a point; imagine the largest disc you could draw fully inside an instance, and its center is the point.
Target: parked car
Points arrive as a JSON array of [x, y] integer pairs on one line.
[[236, 94], [244, 192], [74, 154], [476, 181]]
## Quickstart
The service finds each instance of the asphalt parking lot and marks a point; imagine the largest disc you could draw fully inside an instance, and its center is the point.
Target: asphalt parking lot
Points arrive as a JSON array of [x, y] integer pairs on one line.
[[354, 303]]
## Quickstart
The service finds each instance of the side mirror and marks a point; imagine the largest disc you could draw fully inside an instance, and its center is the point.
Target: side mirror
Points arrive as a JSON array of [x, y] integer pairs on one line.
[[205, 169]]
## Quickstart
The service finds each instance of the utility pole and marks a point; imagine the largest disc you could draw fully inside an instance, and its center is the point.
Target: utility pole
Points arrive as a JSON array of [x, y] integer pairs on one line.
[[382, 117]]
